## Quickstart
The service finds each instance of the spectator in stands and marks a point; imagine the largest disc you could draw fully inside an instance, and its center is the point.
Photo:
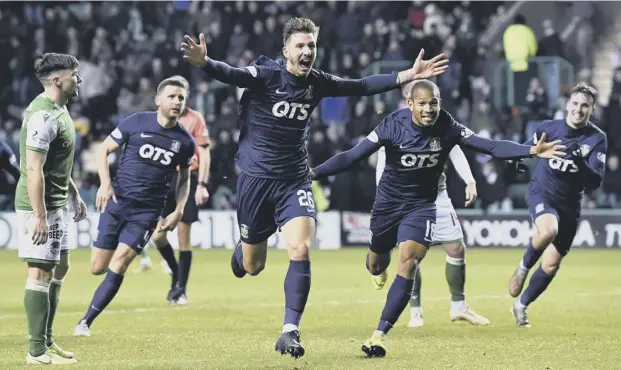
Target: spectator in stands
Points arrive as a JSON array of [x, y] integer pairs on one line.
[[124, 46], [551, 45], [537, 100], [520, 44]]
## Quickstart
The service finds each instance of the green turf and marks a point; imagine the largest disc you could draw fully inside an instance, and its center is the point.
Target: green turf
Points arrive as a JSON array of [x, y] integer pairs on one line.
[[233, 324]]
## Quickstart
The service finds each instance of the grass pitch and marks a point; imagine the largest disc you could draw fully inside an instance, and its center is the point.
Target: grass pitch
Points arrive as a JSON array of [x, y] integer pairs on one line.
[[233, 324]]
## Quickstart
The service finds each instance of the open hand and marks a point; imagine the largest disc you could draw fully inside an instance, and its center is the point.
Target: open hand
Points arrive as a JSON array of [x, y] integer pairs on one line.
[[429, 68], [552, 150], [193, 52]]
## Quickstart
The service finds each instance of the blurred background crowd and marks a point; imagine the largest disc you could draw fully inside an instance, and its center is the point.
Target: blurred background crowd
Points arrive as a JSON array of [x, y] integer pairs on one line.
[[126, 48]]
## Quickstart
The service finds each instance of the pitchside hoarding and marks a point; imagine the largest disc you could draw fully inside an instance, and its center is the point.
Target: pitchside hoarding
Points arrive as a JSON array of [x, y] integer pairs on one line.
[[597, 229], [218, 229], [215, 229]]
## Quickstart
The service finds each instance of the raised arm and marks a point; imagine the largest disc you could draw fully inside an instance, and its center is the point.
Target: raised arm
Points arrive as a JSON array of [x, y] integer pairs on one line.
[[197, 55], [240, 77], [342, 161], [377, 84], [504, 149]]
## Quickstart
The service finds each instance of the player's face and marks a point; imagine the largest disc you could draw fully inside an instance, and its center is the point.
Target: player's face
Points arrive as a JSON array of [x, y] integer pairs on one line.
[[425, 106], [69, 83], [301, 51], [171, 101], [579, 109]]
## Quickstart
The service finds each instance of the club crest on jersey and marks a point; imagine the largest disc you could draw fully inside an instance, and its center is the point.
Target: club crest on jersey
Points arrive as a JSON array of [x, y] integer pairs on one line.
[[435, 145], [243, 230], [309, 93], [585, 150], [175, 146]]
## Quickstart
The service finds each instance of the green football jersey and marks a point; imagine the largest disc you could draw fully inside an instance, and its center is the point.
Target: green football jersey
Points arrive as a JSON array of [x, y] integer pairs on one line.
[[47, 128]]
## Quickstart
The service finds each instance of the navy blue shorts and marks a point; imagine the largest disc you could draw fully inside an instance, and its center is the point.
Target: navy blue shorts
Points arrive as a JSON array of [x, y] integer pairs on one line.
[[567, 217], [190, 211], [264, 205], [391, 228], [128, 223]]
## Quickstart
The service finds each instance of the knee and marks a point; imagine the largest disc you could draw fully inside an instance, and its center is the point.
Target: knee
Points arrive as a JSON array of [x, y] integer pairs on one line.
[[407, 267], [550, 265], [457, 251], [253, 268], [548, 231], [159, 240], [40, 272], [98, 268], [61, 271], [299, 251], [120, 263]]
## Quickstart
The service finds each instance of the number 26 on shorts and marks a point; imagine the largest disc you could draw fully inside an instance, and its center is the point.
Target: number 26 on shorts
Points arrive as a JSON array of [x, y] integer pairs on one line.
[[305, 198]]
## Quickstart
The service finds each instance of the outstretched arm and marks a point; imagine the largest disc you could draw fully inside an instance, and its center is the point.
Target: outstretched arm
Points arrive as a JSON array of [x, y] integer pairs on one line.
[[197, 55], [342, 161], [504, 149], [377, 84], [240, 77]]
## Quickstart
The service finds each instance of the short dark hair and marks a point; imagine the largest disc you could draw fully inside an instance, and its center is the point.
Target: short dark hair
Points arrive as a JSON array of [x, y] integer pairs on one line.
[[585, 89], [425, 84], [52, 62], [298, 25], [171, 81]]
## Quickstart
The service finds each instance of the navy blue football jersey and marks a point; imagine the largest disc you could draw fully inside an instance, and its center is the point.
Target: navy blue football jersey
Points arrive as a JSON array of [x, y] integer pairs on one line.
[[275, 108], [150, 159], [415, 156], [565, 180]]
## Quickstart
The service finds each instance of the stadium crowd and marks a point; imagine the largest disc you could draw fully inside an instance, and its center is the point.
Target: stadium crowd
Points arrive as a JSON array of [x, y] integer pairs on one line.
[[125, 49]]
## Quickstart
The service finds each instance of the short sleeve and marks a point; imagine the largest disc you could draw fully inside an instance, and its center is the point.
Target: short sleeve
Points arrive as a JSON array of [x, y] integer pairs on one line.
[[41, 130], [123, 130]]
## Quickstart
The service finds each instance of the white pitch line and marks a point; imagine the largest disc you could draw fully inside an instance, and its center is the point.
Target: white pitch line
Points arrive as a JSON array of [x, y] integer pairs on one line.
[[275, 305]]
